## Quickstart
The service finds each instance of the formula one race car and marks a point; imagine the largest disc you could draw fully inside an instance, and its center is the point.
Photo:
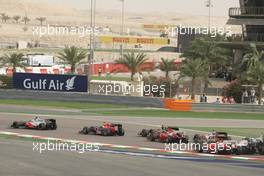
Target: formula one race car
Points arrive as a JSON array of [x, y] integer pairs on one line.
[[260, 145], [165, 134], [146, 132], [36, 123], [107, 129], [251, 146], [215, 142]]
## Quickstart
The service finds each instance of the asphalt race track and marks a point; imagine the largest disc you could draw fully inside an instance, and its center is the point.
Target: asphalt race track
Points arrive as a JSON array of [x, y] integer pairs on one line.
[[18, 158]]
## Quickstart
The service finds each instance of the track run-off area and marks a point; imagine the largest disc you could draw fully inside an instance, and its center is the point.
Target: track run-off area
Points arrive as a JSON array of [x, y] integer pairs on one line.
[[128, 155]]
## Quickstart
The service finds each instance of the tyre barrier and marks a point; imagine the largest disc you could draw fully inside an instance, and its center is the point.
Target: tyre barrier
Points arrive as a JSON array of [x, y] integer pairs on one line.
[[178, 105]]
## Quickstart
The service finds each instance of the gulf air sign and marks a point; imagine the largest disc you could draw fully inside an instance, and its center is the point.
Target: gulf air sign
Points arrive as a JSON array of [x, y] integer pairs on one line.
[[49, 82], [134, 40]]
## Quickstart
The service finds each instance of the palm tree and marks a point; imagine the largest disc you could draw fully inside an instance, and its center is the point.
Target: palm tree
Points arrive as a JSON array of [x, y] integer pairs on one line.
[[72, 56], [207, 48], [256, 75], [16, 18], [195, 69], [133, 62], [14, 60], [4, 17], [25, 20], [253, 66], [167, 66], [250, 60], [41, 20]]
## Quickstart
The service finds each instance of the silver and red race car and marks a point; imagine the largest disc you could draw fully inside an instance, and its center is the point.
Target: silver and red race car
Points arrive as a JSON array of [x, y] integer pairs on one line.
[[36, 123], [107, 129], [165, 134], [216, 142]]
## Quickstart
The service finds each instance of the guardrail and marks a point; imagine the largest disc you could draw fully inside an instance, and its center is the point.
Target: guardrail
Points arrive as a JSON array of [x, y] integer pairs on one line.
[[243, 108], [251, 12], [256, 37], [131, 101], [259, 37], [81, 97]]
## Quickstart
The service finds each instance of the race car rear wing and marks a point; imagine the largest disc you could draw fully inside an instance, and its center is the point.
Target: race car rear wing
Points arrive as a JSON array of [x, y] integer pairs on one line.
[[116, 125], [174, 128], [171, 127], [52, 120]]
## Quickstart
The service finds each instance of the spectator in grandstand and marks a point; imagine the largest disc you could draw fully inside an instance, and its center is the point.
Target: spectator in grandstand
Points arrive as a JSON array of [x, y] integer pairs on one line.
[[100, 72], [203, 99], [224, 100], [252, 95], [231, 100], [218, 100], [245, 96]]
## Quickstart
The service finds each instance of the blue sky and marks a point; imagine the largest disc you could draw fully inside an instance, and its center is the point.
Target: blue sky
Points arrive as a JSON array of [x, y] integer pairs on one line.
[[195, 7]]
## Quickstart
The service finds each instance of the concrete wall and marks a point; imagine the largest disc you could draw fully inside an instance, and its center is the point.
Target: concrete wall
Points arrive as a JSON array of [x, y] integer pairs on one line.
[[122, 100], [81, 97], [227, 107]]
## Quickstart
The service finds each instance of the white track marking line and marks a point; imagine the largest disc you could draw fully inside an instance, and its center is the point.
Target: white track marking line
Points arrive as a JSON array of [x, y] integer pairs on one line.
[[131, 147], [5, 143]]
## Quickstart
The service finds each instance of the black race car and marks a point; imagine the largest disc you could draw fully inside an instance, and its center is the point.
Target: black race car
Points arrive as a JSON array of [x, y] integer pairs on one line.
[[36, 123], [251, 146], [107, 129]]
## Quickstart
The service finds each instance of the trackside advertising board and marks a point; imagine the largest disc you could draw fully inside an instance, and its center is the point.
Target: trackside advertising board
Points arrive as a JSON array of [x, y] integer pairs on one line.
[[50, 82]]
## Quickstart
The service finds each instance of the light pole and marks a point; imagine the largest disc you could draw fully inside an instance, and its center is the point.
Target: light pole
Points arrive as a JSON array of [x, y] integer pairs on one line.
[[94, 26], [92, 44], [209, 5], [122, 27]]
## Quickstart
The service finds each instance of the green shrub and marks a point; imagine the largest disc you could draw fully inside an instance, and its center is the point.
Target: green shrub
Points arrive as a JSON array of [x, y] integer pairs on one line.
[[6, 82], [235, 90]]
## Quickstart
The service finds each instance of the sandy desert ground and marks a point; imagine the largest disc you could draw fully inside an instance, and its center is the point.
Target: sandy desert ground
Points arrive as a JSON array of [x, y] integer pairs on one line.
[[67, 16]]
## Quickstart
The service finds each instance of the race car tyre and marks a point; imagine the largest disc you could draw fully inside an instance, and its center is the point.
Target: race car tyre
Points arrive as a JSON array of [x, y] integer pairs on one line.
[[198, 147], [235, 151], [260, 148], [92, 130], [85, 130], [243, 150], [106, 132], [15, 125], [144, 133], [185, 141], [121, 132], [151, 137], [41, 126], [54, 127], [196, 138], [170, 139]]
